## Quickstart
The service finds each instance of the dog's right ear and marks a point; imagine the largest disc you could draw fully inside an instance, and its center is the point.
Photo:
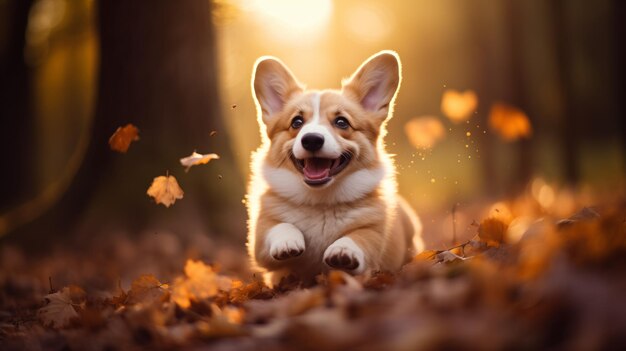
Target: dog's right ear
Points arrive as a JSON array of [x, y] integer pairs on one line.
[[272, 85]]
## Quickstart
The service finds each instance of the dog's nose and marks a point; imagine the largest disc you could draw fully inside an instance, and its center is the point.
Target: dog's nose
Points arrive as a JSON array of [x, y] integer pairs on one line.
[[312, 141]]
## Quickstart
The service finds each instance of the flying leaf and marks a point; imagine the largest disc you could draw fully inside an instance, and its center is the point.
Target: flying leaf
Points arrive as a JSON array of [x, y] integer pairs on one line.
[[197, 159], [509, 122], [424, 132], [123, 136], [458, 106], [146, 289], [60, 309], [165, 190], [200, 282]]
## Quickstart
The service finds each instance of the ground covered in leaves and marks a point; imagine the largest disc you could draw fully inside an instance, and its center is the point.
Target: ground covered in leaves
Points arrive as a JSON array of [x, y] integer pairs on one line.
[[559, 285]]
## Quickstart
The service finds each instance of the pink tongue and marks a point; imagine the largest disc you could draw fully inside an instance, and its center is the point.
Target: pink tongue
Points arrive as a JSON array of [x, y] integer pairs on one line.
[[317, 168]]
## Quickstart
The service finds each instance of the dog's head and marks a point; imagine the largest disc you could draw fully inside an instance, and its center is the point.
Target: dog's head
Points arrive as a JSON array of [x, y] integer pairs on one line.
[[325, 139]]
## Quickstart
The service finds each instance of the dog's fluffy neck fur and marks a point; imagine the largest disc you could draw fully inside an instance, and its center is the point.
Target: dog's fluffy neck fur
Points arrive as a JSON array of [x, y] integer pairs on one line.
[[354, 187]]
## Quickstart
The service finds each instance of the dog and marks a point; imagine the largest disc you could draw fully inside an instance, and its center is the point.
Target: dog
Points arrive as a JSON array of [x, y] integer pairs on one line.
[[323, 192]]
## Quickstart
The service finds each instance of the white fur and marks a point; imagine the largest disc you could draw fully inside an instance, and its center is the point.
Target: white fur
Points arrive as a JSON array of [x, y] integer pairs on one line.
[[284, 237], [322, 225], [349, 247], [330, 149], [290, 185]]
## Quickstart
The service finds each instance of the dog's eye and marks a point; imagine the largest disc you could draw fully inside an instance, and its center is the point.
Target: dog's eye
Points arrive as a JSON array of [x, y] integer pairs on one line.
[[342, 123], [297, 122]]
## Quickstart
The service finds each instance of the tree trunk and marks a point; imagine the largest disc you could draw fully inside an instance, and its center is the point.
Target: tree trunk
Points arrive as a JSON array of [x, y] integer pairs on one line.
[[158, 71], [569, 116], [16, 148], [518, 92]]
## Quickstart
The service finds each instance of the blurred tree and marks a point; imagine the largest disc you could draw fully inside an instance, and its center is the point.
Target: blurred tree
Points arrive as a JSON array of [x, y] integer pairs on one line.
[[618, 24], [16, 147], [513, 17], [485, 87], [158, 70], [568, 116]]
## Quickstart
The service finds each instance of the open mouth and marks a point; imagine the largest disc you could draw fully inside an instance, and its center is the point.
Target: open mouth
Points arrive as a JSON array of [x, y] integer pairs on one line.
[[319, 171]]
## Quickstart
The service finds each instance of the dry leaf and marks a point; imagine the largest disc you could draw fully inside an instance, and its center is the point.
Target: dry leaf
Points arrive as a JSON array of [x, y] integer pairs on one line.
[[585, 214], [449, 256], [424, 132], [458, 106], [146, 289], [224, 322], [197, 159], [123, 136], [61, 307], [426, 255], [165, 190], [509, 122], [256, 290], [492, 231], [200, 282]]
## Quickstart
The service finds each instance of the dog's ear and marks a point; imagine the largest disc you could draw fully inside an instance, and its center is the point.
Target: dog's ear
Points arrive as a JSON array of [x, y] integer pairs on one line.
[[375, 84], [272, 85]]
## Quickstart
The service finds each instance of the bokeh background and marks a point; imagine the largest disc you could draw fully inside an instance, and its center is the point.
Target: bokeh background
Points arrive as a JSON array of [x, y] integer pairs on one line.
[[499, 98]]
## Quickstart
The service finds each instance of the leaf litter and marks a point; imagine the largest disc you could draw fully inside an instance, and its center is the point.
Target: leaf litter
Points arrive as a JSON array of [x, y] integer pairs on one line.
[[561, 288]]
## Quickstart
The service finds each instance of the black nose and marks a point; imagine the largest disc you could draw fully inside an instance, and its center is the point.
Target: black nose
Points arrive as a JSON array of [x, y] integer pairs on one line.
[[312, 141]]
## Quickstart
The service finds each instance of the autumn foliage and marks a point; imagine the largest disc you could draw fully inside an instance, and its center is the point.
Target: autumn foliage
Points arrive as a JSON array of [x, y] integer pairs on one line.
[[560, 285]]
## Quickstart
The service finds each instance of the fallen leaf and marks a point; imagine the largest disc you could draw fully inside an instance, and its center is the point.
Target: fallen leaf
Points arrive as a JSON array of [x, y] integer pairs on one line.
[[197, 159], [146, 289], [585, 214], [123, 136], [424, 132], [200, 282], [254, 290], [509, 122], [165, 190], [458, 106], [448, 256], [223, 322], [492, 231], [61, 307], [426, 255]]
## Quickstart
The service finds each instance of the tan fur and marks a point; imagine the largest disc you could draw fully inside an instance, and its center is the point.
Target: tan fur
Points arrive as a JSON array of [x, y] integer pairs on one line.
[[360, 203]]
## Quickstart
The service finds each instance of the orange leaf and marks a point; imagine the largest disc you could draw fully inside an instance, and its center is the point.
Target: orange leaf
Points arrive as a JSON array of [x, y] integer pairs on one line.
[[147, 288], [165, 190], [492, 231], [424, 132], [123, 136], [509, 122], [426, 255], [458, 106], [200, 282]]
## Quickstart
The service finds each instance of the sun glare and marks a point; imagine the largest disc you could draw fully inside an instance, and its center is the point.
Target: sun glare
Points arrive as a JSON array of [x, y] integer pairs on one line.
[[289, 18]]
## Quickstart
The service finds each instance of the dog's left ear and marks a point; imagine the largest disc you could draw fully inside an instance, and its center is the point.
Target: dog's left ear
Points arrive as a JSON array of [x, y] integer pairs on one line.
[[375, 84]]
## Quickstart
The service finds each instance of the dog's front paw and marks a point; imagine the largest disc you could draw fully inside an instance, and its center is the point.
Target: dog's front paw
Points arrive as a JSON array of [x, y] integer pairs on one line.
[[346, 255], [285, 241]]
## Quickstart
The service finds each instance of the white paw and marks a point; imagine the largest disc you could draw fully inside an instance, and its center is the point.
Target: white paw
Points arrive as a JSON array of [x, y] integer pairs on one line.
[[285, 241], [346, 255]]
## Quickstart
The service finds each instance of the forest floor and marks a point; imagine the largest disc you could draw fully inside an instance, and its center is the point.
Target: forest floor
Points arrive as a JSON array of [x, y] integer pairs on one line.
[[556, 284]]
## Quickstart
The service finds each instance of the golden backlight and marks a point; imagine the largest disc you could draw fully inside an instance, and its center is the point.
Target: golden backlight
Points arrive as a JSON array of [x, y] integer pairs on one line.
[[290, 19]]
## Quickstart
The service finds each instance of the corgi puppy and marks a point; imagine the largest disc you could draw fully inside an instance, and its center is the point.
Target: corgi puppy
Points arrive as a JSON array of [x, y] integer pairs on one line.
[[323, 192]]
